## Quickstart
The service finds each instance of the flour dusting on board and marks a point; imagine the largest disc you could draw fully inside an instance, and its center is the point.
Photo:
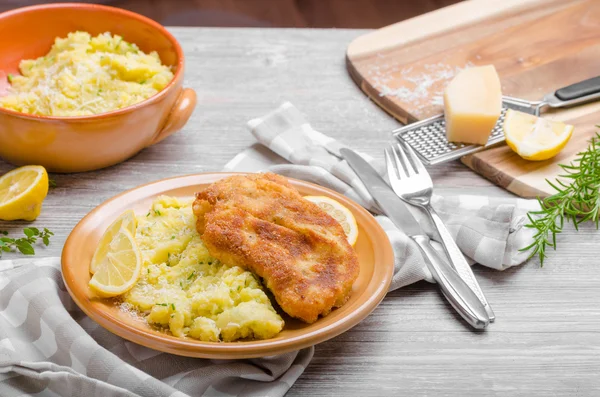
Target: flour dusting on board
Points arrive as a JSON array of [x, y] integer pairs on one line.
[[421, 88]]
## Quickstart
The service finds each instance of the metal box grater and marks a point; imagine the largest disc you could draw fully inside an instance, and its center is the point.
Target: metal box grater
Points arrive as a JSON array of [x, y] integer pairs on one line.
[[428, 137]]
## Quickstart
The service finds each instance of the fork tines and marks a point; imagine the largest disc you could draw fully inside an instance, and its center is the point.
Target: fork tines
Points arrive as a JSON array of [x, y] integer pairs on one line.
[[405, 166]]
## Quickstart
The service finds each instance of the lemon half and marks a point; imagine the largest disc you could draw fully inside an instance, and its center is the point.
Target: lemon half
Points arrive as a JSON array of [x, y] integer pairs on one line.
[[340, 213], [119, 269], [535, 138], [22, 192]]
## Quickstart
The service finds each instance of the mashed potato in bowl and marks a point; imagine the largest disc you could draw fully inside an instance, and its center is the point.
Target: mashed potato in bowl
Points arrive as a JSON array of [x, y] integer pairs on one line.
[[184, 290], [84, 75]]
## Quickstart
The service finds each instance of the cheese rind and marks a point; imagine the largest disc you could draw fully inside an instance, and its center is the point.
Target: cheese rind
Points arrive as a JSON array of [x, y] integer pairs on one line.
[[472, 105]]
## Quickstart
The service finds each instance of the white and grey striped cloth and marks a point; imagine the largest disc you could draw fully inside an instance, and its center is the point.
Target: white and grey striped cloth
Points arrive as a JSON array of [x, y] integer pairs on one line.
[[48, 347], [488, 230]]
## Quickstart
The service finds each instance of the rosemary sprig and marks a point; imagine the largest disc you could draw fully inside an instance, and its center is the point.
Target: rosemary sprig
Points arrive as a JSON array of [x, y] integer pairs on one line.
[[577, 200]]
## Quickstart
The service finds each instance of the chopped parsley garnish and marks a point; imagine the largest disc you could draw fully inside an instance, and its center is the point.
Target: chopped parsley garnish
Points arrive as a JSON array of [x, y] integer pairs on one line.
[[166, 305]]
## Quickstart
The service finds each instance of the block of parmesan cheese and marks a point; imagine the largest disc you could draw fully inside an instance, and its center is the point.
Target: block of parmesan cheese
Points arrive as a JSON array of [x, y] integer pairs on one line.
[[472, 105]]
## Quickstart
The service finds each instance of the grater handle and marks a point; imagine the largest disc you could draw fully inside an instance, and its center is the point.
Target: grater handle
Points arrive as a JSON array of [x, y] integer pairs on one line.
[[582, 89]]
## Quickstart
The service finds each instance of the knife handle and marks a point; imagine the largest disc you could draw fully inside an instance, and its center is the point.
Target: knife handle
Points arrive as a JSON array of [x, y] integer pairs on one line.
[[458, 260], [579, 90], [458, 293]]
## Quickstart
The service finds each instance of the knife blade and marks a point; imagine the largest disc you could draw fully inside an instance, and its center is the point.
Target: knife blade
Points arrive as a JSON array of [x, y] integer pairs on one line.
[[454, 288], [382, 193]]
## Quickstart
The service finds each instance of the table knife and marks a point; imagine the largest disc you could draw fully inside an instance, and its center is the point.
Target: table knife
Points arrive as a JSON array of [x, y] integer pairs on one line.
[[456, 291]]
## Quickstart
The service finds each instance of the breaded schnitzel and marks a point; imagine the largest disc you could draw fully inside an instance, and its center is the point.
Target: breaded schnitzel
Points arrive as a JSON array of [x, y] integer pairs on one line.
[[261, 223]]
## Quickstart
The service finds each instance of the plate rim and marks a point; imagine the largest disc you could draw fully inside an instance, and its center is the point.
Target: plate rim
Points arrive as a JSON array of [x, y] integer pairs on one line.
[[229, 350]]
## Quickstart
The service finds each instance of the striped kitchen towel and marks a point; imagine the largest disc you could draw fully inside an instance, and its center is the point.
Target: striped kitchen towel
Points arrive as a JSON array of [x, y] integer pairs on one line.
[[489, 231], [49, 347]]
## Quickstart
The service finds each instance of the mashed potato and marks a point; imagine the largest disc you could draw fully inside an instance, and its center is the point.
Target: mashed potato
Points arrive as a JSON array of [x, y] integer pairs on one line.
[[84, 75], [183, 289]]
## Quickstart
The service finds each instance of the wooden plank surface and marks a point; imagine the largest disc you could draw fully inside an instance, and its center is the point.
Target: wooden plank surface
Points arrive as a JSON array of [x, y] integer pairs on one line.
[[546, 340]]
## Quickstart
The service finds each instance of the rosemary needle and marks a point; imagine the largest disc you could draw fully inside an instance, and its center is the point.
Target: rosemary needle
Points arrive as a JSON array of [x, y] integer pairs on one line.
[[577, 199]]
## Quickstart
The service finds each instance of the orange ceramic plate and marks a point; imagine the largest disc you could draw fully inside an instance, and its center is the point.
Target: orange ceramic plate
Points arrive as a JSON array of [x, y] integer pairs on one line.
[[374, 252]]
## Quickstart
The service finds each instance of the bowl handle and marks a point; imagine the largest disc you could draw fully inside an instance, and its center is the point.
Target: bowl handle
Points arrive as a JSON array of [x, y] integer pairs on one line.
[[180, 114]]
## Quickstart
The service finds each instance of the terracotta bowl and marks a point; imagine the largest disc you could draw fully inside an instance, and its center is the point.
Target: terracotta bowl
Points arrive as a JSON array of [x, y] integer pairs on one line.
[[74, 144], [375, 257]]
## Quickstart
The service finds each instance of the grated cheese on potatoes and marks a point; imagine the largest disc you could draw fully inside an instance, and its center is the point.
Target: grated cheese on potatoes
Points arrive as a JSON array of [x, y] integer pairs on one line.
[[186, 291], [84, 75]]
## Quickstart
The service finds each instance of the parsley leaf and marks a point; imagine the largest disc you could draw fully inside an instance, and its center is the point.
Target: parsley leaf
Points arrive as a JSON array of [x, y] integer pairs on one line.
[[24, 245]]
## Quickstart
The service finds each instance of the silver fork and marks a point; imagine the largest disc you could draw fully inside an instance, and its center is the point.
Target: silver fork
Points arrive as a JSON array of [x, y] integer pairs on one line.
[[415, 187]]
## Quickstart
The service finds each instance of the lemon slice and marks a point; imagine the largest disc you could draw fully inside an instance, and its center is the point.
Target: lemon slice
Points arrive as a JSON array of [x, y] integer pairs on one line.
[[127, 221], [120, 268], [22, 192], [535, 138], [340, 213]]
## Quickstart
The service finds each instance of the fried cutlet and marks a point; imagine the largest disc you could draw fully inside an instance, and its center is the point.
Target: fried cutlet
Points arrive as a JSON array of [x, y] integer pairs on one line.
[[261, 223]]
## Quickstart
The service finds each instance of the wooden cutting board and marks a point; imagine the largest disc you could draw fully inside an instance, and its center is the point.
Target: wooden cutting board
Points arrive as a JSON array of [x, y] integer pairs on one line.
[[537, 46]]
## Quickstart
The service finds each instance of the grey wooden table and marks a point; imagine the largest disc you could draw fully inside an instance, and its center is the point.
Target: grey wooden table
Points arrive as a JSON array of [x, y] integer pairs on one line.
[[546, 340]]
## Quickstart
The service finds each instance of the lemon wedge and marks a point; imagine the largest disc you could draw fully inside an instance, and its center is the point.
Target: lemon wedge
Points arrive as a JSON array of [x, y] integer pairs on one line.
[[22, 192], [120, 268], [127, 221], [535, 138], [340, 213]]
